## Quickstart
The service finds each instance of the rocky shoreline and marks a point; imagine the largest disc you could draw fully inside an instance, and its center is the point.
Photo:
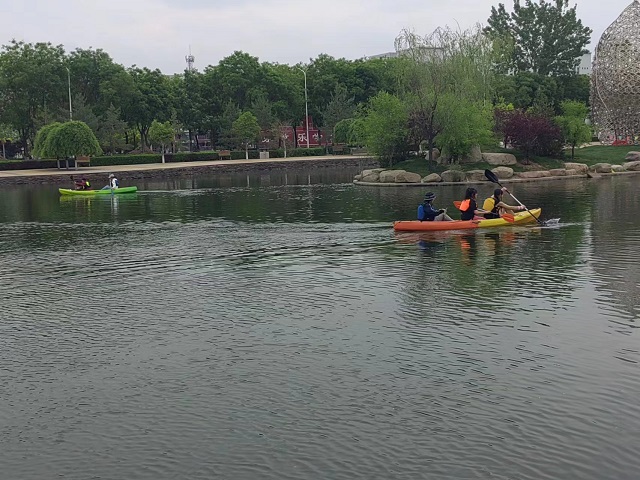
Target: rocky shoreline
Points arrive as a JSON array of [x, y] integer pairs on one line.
[[382, 177]]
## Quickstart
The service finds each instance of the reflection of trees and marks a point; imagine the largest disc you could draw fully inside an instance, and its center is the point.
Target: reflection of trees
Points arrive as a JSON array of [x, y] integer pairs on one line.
[[615, 242]]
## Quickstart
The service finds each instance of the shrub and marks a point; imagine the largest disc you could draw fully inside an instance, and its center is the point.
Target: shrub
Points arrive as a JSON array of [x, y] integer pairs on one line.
[[533, 134]]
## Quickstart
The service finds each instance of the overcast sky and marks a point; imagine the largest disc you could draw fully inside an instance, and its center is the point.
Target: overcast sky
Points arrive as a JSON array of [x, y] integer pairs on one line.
[[158, 33]]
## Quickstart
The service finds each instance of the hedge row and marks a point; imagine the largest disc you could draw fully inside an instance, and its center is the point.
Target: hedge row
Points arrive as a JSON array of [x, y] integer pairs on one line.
[[27, 164], [135, 159]]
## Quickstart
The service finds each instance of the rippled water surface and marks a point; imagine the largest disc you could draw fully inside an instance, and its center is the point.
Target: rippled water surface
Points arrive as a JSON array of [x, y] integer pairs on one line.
[[204, 329]]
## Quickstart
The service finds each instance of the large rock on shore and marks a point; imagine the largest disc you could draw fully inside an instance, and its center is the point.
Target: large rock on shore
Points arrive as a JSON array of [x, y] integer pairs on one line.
[[617, 168], [389, 176], [498, 159], [408, 177], [632, 157], [632, 166], [601, 168], [582, 168], [453, 176], [371, 177], [432, 178], [503, 172], [476, 175], [474, 156], [533, 174], [572, 172], [399, 176], [558, 172]]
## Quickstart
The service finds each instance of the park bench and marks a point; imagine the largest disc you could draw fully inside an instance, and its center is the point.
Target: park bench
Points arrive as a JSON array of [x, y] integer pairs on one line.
[[224, 153], [81, 159], [339, 149]]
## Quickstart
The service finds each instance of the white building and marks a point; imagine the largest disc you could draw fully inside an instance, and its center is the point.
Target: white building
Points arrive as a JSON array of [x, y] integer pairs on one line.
[[584, 67]]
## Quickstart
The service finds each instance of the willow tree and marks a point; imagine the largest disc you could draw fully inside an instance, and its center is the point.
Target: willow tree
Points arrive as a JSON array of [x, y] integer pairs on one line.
[[71, 139], [440, 75], [40, 142]]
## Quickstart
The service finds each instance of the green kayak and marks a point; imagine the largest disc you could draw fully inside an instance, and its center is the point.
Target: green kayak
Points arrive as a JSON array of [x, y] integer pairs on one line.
[[108, 191]]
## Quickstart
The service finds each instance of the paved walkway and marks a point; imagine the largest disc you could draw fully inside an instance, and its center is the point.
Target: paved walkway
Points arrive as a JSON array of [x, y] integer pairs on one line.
[[147, 167]]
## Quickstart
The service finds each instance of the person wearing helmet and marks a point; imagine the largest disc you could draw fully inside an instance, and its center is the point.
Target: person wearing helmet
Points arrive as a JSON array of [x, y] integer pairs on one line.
[[113, 182], [426, 212], [495, 207]]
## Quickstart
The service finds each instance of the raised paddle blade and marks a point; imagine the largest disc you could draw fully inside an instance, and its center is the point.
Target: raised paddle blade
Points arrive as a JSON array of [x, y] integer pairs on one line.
[[457, 204], [491, 176]]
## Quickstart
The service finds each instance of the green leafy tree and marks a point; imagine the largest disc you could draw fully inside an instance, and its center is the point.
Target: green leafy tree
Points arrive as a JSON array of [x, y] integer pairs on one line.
[[40, 142], [246, 129], [385, 128], [342, 130], [464, 126], [91, 73], [83, 112], [151, 100], [33, 83], [542, 37], [71, 139], [572, 124], [437, 69], [262, 108], [188, 104], [111, 130], [340, 107], [161, 134], [229, 114], [7, 134]]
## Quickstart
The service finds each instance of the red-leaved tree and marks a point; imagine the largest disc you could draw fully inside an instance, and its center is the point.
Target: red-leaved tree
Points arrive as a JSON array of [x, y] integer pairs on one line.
[[532, 134]]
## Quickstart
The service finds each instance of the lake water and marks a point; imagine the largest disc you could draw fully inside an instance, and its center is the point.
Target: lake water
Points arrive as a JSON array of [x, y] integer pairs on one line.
[[208, 329]]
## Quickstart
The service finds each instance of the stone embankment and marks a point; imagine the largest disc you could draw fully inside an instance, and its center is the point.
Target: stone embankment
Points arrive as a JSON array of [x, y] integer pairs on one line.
[[503, 171]]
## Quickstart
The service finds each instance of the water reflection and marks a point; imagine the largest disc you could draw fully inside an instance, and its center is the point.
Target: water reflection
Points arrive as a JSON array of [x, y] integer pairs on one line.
[[285, 331]]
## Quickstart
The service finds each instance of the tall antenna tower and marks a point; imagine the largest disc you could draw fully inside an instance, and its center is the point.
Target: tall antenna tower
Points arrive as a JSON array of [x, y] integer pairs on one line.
[[190, 60]]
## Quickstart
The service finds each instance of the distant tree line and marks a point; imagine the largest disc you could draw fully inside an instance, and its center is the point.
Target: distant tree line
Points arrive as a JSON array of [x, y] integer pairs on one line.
[[444, 90]]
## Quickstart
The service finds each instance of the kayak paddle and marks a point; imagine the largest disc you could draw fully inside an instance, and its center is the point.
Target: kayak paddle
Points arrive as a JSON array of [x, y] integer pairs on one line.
[[507, 216], [493, 178]]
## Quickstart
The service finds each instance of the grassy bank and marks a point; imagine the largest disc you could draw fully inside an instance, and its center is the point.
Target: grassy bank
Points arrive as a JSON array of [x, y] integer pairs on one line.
[[603, 154]]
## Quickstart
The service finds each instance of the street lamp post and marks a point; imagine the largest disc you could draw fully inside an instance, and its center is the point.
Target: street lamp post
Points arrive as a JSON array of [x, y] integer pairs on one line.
[[69, 80], [306, 103]]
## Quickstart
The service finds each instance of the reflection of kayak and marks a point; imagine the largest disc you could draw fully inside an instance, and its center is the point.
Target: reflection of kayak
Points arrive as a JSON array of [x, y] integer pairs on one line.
[[520, 218], [108, 191]]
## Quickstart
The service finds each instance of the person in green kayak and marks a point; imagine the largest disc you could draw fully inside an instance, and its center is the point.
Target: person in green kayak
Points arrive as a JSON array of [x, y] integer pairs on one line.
[[469, 206], [82, 184], [426, 212], [113, 182], [496, 207]]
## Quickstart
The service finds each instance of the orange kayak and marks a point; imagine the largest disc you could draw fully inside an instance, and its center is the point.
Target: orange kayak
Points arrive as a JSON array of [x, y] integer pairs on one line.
[[520, 218]]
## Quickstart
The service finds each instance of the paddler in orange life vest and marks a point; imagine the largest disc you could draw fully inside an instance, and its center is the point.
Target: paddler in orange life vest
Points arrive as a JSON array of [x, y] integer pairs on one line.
[[496, 207], [469, 207]]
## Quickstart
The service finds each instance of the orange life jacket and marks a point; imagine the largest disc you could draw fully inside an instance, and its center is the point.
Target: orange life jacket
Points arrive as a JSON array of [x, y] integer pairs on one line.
[[464, 205]]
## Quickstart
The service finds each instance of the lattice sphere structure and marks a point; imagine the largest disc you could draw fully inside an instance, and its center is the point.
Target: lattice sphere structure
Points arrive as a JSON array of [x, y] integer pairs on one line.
[[615, 80]]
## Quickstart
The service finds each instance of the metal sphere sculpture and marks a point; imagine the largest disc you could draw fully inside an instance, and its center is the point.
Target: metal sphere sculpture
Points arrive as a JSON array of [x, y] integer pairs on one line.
[[615, 80]]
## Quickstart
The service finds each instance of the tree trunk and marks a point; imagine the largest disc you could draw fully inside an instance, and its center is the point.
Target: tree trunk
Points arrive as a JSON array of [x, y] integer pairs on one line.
[[162, 146], [246, 151], [573, 149], [190, 140], [4, 154]]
